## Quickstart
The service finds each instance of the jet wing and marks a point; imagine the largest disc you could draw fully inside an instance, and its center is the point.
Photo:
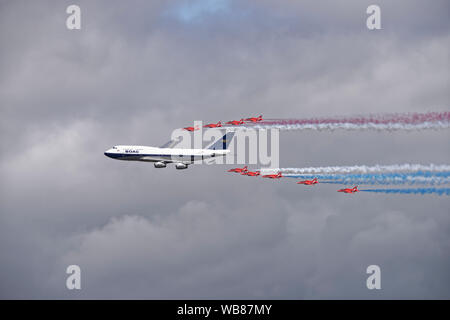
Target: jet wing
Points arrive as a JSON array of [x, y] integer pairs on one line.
[[170, 144]]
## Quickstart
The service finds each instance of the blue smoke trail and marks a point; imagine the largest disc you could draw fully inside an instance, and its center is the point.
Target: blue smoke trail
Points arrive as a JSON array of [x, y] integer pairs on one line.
[[439, 191], [391, 178]]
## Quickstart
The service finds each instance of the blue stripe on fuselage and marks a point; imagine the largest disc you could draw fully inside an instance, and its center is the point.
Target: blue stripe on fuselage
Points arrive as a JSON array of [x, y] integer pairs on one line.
[[134, 156]]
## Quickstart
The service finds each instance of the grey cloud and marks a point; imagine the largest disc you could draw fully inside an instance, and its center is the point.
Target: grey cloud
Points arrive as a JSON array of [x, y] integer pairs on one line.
[[135, 72]]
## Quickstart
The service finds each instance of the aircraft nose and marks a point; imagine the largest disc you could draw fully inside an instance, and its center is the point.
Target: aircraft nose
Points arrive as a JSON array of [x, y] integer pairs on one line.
[[108, 153]]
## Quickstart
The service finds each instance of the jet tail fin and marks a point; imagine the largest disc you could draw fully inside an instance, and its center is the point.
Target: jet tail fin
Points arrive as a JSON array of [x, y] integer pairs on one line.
[[223, 143]]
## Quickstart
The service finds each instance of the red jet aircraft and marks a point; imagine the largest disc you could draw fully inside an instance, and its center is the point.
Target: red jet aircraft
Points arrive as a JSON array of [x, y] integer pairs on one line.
[[213, 125], [253, 119], [308, 182], [273, 176], [236, 122], [251, 173], [191, 128], [349, 190], [239, 170]]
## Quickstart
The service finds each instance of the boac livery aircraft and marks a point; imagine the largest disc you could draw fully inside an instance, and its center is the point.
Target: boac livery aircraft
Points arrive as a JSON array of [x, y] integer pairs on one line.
[[167, 154]]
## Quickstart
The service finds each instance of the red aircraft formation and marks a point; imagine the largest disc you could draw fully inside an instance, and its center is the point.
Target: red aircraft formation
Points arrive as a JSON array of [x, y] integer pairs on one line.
[[239, 170], [273, 176], [244, 171], [213, 125], [349, 190], [251, 173], [191, 128], [235, 122], [253, 119], [232, 122], [308, 182]]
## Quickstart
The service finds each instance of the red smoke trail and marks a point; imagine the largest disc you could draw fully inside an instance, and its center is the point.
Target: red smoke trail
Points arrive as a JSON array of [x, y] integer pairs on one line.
[[380, 119]]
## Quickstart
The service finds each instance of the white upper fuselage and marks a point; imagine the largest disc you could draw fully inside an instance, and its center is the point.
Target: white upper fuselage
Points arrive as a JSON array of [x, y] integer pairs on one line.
[[154, 154]]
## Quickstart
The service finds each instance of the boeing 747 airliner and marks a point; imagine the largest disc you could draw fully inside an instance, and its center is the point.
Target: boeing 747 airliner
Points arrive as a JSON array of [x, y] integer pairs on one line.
[[166, 154]]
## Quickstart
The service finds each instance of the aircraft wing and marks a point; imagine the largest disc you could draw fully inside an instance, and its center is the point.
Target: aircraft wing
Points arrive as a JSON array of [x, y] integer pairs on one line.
[[170, 144]]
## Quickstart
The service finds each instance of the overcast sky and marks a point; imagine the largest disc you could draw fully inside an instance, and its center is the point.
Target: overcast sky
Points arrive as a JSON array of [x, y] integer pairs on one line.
[[139, 69]]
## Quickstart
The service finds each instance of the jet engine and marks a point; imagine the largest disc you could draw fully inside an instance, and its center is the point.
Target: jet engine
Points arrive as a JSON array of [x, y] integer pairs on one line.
[[180, 166], [160, 165]]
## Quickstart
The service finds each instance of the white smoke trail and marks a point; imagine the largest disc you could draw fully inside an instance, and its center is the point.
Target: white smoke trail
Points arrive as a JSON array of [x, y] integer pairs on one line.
[[409, 180], [360, 169], [439, 191]]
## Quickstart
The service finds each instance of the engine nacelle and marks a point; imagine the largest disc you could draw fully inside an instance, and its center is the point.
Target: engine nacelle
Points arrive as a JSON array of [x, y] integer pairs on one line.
[[180, 166], [160, 165]]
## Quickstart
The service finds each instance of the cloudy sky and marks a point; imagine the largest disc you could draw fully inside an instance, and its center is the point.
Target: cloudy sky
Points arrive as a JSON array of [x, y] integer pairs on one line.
[[138, 69]]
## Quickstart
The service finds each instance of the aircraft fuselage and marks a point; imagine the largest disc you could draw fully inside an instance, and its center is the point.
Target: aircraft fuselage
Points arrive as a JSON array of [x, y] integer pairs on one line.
[[169, 155]]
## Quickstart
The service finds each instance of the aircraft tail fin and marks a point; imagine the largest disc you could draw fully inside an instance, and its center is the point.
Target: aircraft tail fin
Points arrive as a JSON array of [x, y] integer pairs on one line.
[[223, 143]]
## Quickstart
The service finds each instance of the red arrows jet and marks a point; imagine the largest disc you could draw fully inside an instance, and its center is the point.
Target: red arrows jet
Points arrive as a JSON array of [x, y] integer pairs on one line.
[[191, 128], [251, 173], [308, 182], [239, 170], [349, 190], [253, 119], [213, 125], [236, 122], [273, 176]]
